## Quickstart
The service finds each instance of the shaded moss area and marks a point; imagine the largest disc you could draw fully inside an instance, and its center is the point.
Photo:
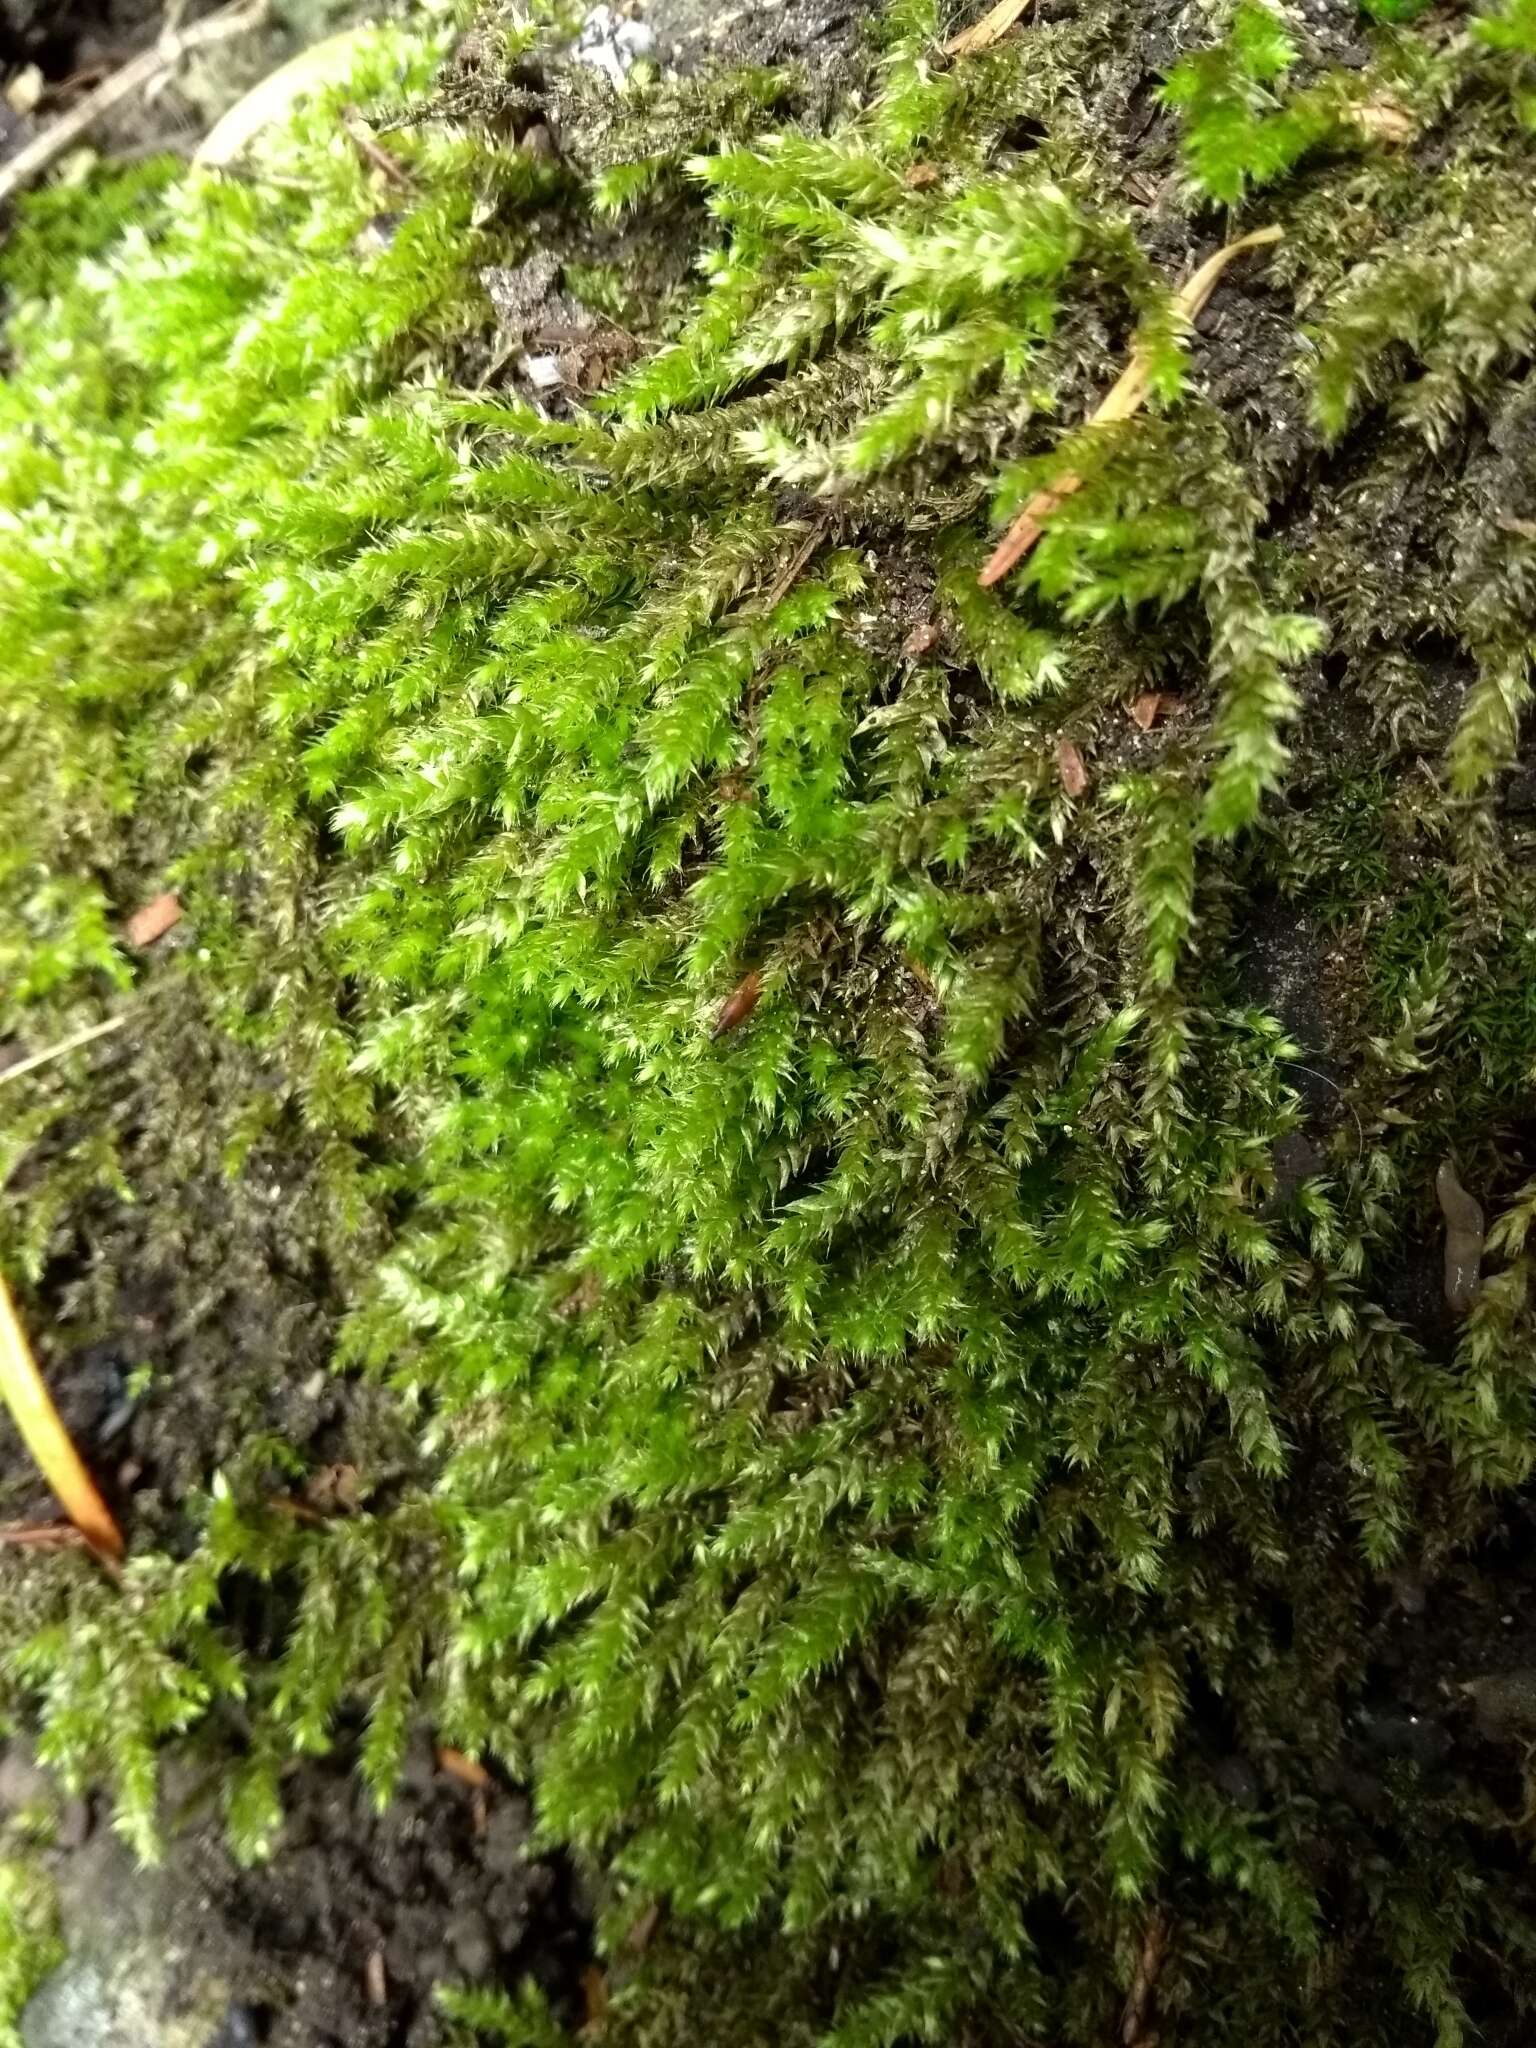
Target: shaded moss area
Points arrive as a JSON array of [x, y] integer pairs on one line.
[[891, 1176]]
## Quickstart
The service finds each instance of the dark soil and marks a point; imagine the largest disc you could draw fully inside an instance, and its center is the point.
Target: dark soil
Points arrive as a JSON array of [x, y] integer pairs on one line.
[[437, 1889], [74, 46], [1448, 1716], [61, 41], [338, 1943], [180, 1326], [179, 1329], [176, 1330]]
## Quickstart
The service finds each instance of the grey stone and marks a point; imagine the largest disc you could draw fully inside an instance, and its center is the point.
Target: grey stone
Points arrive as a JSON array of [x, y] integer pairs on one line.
[[23, 1781], [132, 1977], [610, 44]]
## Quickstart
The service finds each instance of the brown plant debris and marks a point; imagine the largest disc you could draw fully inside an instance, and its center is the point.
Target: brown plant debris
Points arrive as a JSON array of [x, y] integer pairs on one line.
[[455, 1764], [373, 152], [31, 1405], [1125, 398], [153, 919], [1149, 707], [1135, 2030], [739, 1004], [922, 639], [790, 574], [162, 57], [73, 1043], [1069, 766], [991, 28]]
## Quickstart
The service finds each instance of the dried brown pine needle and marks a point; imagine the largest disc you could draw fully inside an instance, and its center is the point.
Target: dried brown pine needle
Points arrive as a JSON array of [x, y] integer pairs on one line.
[[31, 1406], [991, 28], [1125, 399]]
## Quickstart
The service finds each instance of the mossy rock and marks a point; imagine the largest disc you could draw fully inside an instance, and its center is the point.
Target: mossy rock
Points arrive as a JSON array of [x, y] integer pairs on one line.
[[129, 1980], [884, 1119]]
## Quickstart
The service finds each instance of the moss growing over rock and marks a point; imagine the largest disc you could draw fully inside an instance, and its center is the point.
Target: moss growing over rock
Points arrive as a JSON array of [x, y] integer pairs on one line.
[[886, 1129]]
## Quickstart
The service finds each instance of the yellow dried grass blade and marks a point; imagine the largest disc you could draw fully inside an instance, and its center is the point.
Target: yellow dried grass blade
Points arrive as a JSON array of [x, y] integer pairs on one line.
[[1122, 401], [32, 1409]]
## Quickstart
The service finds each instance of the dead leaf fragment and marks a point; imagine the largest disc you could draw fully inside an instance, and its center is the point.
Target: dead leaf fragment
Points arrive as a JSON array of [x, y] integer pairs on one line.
[[1069, 766], [153, 919], [991, 28], [739, 1004], [1149, 707], [457, 1765], [918, 177], [594, 1995], [922, 639], [1384, 119], [333, 1489], [1123, 401], [375, 1980], [1139, 188]]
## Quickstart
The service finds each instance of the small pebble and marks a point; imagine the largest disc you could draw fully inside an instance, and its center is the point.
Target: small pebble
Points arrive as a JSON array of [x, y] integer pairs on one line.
[[610, 44]]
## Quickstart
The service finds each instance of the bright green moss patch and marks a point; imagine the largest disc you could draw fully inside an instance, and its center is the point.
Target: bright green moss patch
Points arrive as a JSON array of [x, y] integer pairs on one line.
[[29, 1945], [912, 1476]]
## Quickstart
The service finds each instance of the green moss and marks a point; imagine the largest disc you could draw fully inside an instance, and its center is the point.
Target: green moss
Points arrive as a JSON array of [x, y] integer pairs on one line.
[[883, 1453], [29, 1943]]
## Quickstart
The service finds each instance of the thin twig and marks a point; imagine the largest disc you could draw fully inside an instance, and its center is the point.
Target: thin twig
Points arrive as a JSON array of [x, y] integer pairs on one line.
[[991, 28], [57, 1052], [372, 151], [1124, 399], [1134, 2030], [789, 575], [42, 1536], [163, 55]]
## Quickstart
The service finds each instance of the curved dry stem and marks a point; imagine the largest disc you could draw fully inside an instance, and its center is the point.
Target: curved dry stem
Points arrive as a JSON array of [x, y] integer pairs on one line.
[[31, 1406]]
